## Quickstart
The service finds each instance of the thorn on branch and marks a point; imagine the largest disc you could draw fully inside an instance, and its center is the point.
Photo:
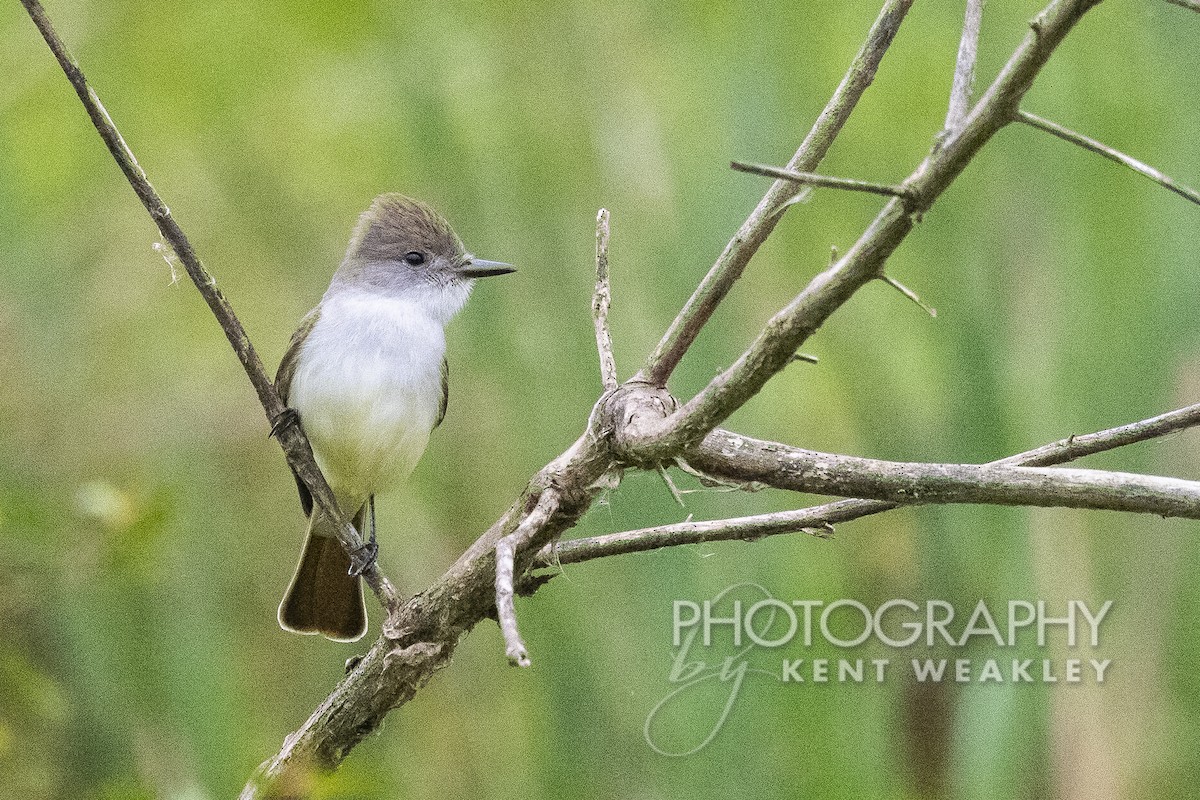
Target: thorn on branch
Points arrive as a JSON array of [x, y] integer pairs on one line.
[[662, 472], [806, 358], [800, 197], [601, 301], [716, 483], [909, 293], [827, 181], [690, 470], [824, 531], [1101, 149]]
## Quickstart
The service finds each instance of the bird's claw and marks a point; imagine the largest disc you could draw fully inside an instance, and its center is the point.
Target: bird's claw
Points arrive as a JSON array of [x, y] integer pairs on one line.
[[363, 558], [283, 420]]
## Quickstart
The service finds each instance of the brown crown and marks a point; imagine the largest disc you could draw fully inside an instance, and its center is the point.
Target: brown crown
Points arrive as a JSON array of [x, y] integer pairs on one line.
[[395, 225]]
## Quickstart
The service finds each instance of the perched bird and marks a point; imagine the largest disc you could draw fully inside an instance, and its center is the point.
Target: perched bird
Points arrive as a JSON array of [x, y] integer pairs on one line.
[[366, 373]]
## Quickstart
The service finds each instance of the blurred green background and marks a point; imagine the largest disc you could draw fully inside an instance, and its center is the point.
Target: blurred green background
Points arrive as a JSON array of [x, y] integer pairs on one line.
[[148, 527]]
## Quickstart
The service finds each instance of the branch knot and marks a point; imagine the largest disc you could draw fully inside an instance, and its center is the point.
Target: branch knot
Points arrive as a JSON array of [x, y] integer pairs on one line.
[[628, 415]]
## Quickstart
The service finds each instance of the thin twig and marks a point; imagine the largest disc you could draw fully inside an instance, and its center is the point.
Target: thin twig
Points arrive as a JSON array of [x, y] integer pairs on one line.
[[757, 526], [1099, 148], [812, 179], [1087, 444], [910, 294], [671, 487], [291, 438], [601, 301], [754, 231], [506, 551], [750, 528], [964, 68]]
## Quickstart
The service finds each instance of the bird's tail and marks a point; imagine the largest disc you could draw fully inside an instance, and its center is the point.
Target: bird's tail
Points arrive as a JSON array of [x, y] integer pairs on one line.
[[323, 596]]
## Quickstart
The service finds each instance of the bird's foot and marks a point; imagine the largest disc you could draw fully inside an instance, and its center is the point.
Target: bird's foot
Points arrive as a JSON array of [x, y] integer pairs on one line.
[[363, 557], [283, 420]]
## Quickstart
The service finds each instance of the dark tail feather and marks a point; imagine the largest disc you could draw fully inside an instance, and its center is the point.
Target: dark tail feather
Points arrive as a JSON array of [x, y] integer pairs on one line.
[[323, 597]]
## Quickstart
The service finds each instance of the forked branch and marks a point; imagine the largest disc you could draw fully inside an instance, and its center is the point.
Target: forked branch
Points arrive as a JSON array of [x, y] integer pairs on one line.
[[421, 634], [783, 335], [758, 226], [818, 518]]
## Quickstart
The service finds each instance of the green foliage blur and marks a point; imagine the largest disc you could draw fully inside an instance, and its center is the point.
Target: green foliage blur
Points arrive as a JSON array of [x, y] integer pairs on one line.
[[148, 526]]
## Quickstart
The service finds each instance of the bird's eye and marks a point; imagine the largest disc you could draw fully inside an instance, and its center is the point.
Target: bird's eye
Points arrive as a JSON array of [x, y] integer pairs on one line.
[[414, 258]]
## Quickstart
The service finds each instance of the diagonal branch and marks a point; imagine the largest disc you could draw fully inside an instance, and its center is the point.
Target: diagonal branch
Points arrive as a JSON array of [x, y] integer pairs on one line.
[[758, 226], [756, 526], [291, 438], [772, 350], [423, 633], [964, 68], [1099, 148]]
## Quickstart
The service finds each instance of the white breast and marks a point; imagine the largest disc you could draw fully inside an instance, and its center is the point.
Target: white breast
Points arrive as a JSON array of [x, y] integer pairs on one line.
[[368, 388]]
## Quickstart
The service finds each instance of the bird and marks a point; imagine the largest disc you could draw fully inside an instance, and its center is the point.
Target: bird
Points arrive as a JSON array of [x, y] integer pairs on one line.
[[366, 376]]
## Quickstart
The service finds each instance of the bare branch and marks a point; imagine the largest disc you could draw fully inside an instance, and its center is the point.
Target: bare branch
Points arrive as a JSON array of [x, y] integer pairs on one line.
[[422, 634], [1102, 149], [754, 527], [1087, 444], [813, 179], [601, 301], [783, 335], [964, 69], [506, 550], [730, 456], [291, 438], [751, 528], [754, 231]]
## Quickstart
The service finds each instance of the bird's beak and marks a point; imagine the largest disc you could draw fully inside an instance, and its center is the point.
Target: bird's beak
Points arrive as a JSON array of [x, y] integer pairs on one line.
[[479, 268]]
